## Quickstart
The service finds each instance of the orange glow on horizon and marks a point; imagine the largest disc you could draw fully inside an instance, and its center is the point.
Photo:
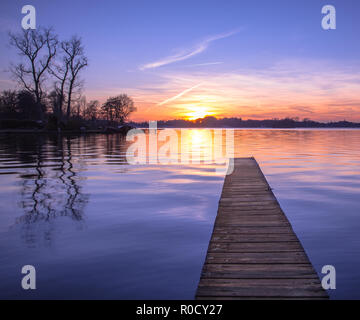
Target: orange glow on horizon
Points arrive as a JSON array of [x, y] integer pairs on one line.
[[196, 112], [302, 93], [316, 110]]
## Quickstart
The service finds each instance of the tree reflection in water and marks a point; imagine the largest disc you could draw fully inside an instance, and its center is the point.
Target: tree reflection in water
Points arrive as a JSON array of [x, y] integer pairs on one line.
[[51, 187], [48, 170]]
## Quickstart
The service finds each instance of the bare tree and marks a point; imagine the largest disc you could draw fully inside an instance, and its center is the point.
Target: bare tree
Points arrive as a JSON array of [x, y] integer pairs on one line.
[[92, 110], [119, 108], [38, 47], [60, 72], [75, 60]]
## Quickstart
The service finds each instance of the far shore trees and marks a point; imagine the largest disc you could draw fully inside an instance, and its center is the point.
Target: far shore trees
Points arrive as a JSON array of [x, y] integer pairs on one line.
[[18, 104], [92, 110], [8, 102], [118, 109]]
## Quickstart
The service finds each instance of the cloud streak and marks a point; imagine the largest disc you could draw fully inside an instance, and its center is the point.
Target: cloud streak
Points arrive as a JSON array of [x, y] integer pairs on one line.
[[179, 95], [204, 64], [199, 48]]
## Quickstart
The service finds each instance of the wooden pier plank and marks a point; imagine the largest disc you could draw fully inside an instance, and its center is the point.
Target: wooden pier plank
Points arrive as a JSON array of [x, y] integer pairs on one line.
[[253, 252], [262, 271]]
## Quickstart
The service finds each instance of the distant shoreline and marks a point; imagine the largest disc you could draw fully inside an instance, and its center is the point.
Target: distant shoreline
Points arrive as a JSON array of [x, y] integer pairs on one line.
[[52, 132], [212, 122]]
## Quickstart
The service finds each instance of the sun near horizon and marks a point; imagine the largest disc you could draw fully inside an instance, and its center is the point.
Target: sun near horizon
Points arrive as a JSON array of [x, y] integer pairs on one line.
[[194, 113]]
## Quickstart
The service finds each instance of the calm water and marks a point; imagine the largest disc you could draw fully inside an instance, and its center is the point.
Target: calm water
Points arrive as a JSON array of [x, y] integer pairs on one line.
[[96, 227]]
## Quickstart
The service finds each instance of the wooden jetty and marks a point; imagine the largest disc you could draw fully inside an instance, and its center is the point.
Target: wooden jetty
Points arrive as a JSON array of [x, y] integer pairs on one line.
[[253, 252]]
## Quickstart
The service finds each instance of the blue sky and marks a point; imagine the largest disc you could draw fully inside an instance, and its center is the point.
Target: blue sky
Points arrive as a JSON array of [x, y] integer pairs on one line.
[[255, 59]]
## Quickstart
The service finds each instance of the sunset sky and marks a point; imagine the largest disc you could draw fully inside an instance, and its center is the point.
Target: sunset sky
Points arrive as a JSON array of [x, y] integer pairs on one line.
[[188, 59]]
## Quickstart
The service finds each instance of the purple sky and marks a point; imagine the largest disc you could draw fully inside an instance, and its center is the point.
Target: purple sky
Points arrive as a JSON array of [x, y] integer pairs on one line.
[[253, 59]]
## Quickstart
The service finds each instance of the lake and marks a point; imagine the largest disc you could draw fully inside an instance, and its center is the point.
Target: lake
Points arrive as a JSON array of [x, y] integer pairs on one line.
[[96, 227]]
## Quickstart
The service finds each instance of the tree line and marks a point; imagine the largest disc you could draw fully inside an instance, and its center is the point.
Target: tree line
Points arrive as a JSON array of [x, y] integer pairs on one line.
[[50, 84]]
